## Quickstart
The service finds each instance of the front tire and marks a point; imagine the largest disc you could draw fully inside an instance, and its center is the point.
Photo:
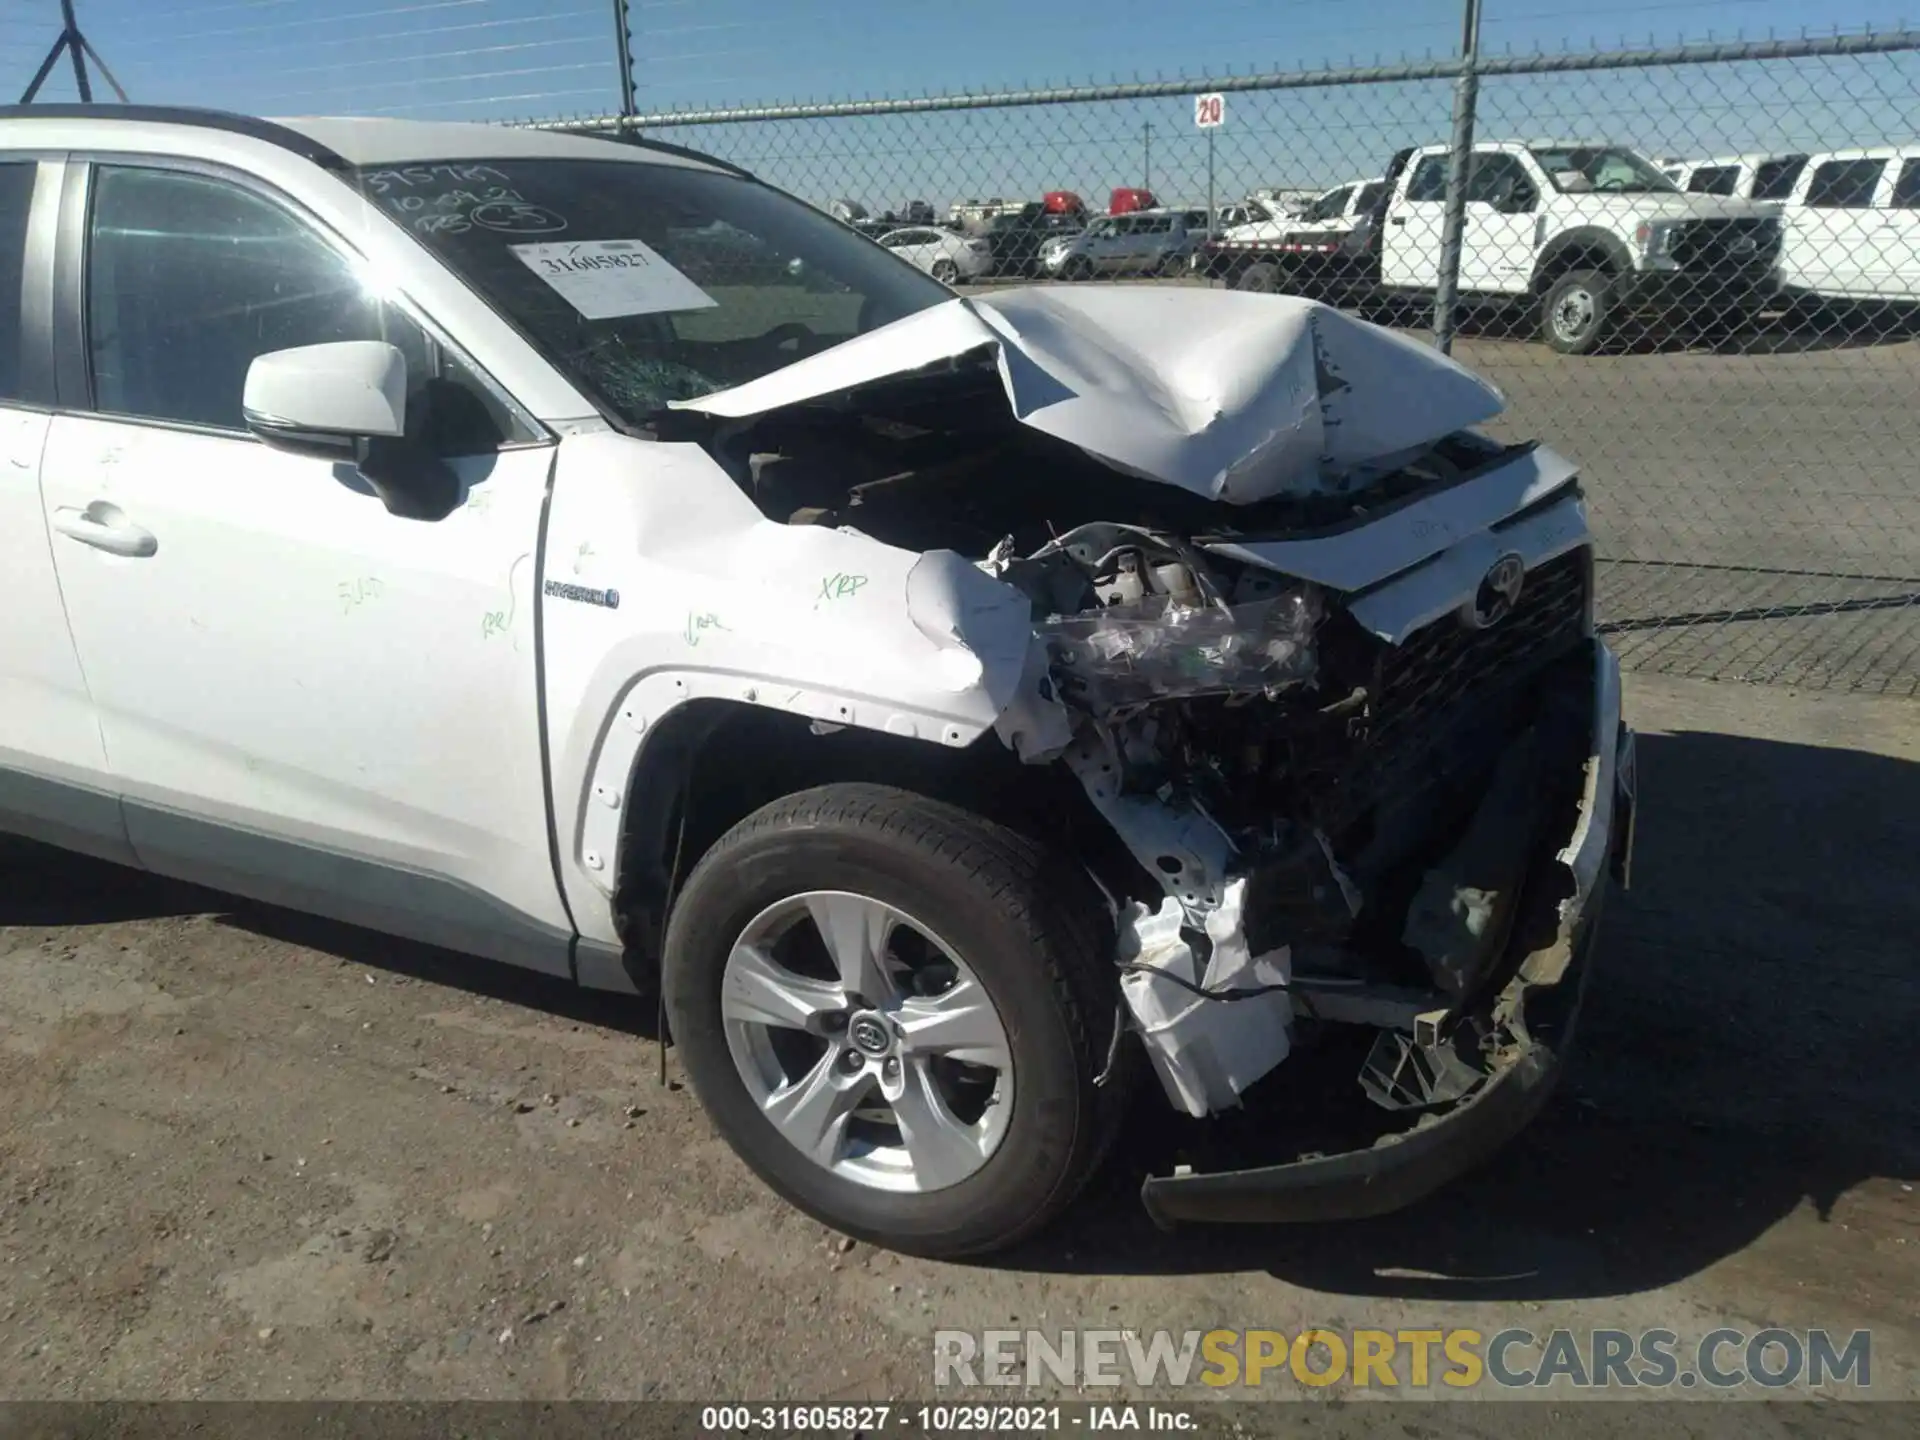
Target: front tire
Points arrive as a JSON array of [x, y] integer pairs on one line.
[[894, 1011], [1576, 314]]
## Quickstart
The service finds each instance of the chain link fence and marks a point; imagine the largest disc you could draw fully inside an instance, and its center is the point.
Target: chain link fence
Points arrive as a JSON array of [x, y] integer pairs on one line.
[[1694, 269], [1697, 270]]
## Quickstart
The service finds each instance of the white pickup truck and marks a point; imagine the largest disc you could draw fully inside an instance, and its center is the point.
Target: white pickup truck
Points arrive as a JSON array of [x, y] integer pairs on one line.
[[1853, 227], [583, 555], [1588, 233]]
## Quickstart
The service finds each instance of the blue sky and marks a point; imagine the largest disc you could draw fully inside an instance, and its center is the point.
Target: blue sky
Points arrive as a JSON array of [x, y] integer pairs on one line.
[[508, 59]]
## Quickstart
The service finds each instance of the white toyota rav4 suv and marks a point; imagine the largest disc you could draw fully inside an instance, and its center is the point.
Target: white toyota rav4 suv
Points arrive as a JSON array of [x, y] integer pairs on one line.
[[583, 555]]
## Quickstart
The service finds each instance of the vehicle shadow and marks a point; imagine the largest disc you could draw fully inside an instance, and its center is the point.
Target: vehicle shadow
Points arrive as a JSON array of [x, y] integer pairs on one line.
[[1742, 1053], [43, 887], [1739, 1057]]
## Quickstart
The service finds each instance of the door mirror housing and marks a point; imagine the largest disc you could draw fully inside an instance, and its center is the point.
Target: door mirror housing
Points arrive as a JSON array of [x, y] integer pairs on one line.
[[347, 402], [327, 396]]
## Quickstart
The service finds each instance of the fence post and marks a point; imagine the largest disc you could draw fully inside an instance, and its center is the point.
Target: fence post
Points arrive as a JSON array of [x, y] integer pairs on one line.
[[623, 48], [1466, 103]]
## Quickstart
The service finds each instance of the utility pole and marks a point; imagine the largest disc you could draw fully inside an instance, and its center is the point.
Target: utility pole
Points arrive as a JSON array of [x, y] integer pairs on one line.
[[623, 48], [1466, 102], [1146, 169], [76, 47]]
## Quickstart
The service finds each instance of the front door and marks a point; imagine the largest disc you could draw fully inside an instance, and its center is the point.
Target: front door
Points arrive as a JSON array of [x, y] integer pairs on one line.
[[303, 697], [1410, 249], [1497, 245], [53, 768]]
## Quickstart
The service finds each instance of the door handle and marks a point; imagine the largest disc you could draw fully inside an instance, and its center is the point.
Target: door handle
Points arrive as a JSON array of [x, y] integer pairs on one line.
[[104, 527], [1398, 220]]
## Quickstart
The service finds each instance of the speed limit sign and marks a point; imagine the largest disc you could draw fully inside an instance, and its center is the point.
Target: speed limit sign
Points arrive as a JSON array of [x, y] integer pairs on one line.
[[1209, 111]]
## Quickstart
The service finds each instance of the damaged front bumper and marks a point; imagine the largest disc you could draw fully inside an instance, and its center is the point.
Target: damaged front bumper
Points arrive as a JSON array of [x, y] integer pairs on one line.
[[1535, 1011]]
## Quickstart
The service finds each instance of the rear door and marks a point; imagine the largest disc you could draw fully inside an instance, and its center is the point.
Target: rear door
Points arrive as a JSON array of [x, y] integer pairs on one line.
[[54, 781], [1902, 250], [1834, 239], [304, 698]]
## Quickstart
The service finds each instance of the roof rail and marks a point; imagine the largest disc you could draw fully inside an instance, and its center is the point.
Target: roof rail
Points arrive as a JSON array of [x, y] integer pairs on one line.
[[250, 126]]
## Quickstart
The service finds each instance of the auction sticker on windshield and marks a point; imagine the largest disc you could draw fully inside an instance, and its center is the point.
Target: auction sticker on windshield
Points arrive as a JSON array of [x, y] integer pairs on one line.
[[605, 279]]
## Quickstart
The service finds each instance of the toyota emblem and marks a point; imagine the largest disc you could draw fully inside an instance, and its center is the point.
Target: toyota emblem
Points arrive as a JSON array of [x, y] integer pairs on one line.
[[1499, 592], [870, 1035]]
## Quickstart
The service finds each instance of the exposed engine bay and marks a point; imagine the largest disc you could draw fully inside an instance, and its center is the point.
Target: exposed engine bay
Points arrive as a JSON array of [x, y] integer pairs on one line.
[[1327, 825]]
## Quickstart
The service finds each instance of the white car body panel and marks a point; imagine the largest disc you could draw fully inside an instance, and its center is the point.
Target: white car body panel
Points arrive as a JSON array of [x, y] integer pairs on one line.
[[46, 716], [1854, 253], [818, 622], [1229, 395], [294, 661]]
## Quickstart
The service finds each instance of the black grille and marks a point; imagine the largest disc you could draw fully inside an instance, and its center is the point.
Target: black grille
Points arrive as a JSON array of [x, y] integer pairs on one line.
[[1726, 247], [1446, 672]]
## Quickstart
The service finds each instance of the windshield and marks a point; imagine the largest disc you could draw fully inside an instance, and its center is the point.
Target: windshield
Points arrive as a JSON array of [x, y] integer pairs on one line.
[[1605, 168], [649, 283]]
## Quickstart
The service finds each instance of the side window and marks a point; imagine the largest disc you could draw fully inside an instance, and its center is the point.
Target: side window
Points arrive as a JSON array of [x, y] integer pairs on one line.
[[16, 198], [190, 278], [1369, 198], [1715, 180], [1499, 180], [1429, 179], [1775, 179], [1330, 205], [1845, 184], [1906, 189]]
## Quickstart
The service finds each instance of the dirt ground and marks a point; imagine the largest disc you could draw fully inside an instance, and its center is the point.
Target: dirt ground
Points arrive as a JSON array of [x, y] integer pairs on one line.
[[248, 1155]]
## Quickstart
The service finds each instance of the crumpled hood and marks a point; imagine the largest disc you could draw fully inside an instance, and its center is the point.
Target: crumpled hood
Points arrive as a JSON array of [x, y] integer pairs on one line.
[[1231, 395]]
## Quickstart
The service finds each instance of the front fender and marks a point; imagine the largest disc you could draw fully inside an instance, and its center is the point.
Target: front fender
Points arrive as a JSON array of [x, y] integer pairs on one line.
[[662, 585], [1592, 238]]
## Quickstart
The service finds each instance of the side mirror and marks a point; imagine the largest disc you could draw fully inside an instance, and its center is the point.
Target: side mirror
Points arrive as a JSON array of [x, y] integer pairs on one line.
[[347, 402]]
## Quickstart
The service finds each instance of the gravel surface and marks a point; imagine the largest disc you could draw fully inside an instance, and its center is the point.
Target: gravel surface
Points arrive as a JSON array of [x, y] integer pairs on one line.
[[248, 1155]]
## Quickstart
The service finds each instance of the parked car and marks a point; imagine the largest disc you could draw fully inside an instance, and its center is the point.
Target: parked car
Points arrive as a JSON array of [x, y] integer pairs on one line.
[[1015, 237], [946, 255], [1240, 212], [864, 669], [1853, 227], [1285, 202], [1588, 233], [1768, 179], [1326, 252], [1147, 242]]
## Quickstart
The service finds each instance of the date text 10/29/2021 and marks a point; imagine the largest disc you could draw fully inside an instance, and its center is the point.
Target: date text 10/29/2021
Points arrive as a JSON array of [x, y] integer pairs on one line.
[[942, 1419]]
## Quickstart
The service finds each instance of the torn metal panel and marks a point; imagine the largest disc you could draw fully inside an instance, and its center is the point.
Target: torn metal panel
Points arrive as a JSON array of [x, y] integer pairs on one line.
[[1206, 1048], [1360, 556], [1231, 396]]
